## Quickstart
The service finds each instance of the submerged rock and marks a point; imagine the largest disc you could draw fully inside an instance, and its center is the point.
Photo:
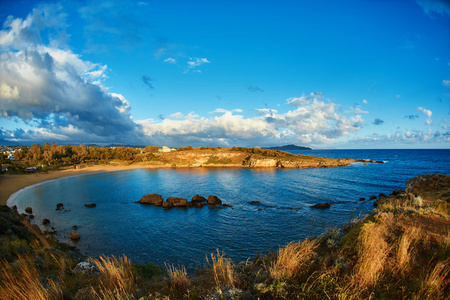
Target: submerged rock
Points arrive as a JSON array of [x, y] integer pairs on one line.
[[45, 221], [74, 236], [91, 205]]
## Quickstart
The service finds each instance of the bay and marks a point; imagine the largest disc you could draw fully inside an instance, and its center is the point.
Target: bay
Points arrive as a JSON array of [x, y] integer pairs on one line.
[[119, 226]]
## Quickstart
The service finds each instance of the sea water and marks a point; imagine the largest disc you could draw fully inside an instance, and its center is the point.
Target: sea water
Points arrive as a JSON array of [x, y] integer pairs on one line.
[[118, 225]]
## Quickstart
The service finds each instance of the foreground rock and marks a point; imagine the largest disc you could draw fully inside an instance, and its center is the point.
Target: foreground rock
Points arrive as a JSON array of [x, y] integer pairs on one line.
[[175, 202], [152, 199], [214, 200]]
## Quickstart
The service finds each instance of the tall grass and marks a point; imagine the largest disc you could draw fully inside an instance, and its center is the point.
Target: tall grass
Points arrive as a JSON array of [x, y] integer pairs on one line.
[[291, 258], [222, 268], [372, 253], [23, 282], [431, 285], [403, 255], [117, 279], [178, 279]]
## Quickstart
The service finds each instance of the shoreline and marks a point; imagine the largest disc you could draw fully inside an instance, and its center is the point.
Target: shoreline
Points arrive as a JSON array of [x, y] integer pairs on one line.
[[12, 184]]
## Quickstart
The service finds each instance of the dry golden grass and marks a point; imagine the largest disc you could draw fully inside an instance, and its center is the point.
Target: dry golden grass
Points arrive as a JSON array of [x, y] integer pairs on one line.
[[372, 253], [117, 279], [403, 255], [178, 279], [291, 258], [431, 285], [22, 282], [222, 269]]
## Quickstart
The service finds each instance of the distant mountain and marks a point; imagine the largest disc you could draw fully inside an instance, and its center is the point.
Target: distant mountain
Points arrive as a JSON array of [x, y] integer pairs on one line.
[[289, 147]]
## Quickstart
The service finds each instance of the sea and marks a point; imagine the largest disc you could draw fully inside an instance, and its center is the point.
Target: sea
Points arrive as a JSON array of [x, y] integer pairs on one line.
[[148, 234]]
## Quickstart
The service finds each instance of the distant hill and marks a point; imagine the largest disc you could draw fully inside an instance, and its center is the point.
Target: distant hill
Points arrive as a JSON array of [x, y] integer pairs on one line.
[[289, 147]]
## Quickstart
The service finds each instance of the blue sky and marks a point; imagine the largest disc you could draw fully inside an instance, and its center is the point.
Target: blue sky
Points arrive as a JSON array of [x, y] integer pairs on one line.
[[324, 74]]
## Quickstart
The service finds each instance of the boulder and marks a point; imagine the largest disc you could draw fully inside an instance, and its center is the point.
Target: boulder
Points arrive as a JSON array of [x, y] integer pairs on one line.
[[362, 199], [427, 183], [177, 202], [59, 206], [321, 205], [74, 236], [29, 210], [254, 202], [45, 221], [167, 205], [214, 200], [153, 199], [90, 205], [227, 205], [86, 267], [373, 197], [198, 199]]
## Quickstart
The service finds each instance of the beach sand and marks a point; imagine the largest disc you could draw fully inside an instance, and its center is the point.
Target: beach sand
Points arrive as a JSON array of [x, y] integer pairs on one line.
[[9, 184]]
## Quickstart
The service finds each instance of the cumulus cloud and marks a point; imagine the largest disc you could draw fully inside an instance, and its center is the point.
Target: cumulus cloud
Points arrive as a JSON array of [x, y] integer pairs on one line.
[[365, 101], [356, 110], [52, 87], [407, 137], [446, 82], [315, 123], [304, 100], [224, 111]]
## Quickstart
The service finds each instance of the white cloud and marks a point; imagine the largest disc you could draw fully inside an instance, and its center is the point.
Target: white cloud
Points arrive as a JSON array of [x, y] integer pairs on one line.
[[446, 82], [170, 60], [177, 115], [426, 112], [365, 101], [224, 111], [304, 100], [356, 110], [195, 62], [438, 6]]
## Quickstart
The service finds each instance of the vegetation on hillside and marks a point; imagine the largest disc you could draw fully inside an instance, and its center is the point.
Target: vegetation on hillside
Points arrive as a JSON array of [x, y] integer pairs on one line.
[[400, 251]]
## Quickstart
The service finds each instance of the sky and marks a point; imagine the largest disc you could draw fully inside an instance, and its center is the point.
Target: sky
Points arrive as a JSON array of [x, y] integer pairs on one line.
[[325, 74]]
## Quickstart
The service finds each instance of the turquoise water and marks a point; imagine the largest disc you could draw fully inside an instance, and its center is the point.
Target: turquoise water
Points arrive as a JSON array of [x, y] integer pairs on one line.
[[119, 226]]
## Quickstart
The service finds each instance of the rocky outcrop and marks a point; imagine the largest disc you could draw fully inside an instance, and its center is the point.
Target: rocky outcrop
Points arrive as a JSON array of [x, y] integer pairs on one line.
[[198, 199], [45, 221], [152, 199], [29, 210], [90, 205], [214, 200], [427, 183]]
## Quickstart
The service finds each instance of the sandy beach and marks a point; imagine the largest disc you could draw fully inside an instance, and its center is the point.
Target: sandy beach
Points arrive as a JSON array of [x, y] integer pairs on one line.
[[9, 184]]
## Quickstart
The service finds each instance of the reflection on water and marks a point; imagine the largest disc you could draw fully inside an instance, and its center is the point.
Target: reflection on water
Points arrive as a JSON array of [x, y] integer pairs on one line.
[[151, 234]]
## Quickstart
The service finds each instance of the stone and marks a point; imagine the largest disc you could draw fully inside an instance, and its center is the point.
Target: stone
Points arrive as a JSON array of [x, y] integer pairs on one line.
[[362, 199], [74, 227], [152, 199], [321, 205], [227, 205], [373, 197], [86, 267], [29, 210], [417, 201], [254, 202], [167, 205], [177, 202], [214, 200], [45, 221], [198, 199], [74, 236], [59, 206], [427, 183], [90, 205]]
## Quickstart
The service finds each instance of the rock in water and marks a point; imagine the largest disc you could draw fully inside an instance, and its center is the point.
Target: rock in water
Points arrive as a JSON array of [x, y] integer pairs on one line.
[[198, 199], [153, 199], [45, 221], [214, 200], [177, 202], [321, 205], [74, 236], [91, 205], [29, 210]]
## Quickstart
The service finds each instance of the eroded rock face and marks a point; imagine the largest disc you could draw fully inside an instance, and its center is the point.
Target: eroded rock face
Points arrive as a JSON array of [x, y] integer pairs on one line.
[[427, 183], [152, 199]]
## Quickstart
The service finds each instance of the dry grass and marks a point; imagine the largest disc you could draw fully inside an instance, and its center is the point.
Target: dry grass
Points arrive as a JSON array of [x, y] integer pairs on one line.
[[23, 282], [178, 279], [403, 255], [372, 253], [291, 258], [222, 269], [117, 279], [431, 286]]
